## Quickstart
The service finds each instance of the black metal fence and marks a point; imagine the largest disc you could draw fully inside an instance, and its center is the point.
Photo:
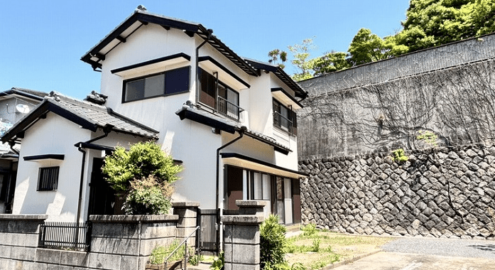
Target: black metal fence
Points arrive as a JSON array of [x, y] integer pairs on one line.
[[65, 235]]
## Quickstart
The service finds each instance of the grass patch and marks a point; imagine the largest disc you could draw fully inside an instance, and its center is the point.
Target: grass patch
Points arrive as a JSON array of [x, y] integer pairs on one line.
[[315, 249]]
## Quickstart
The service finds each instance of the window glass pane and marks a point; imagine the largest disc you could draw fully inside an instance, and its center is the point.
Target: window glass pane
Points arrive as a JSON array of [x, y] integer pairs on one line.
[[257, 186], [266, 188], [222, 101], [233, 98], [177, 80], [134, 90], [284, 123], [154, 86]]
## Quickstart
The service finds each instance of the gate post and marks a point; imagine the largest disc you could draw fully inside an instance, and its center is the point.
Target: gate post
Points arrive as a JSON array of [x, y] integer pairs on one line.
[[187, 212], [242, 236]]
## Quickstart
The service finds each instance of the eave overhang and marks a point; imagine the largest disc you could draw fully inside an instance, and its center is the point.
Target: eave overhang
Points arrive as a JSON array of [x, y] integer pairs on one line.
[[96, 55], [150, 66], [280, 73], [224, 74], [45, 157], [242, 161], [286, 98]]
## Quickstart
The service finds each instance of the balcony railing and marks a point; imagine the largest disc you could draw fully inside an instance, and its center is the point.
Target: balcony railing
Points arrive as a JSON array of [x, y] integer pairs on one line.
[[284, 123], [65, 235], [228, 108]]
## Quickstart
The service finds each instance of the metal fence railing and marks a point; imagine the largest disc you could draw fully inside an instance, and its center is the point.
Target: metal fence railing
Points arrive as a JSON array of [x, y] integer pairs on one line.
[[65, 235], [228, 108]]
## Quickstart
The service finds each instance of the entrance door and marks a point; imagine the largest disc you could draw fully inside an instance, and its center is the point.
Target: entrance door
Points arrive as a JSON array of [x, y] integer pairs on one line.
[[102, 196]]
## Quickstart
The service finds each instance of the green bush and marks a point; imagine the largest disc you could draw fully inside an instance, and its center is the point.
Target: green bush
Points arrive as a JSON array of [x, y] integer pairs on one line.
[[272, 243], [159, 253], [218, 262], [309, 230], [399, 156], [144, 175]]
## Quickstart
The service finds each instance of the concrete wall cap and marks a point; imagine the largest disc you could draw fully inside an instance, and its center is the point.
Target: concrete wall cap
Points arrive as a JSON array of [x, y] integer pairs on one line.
[[131, 218], [22, 217], [185, 204], [242, 203], [243, 219]]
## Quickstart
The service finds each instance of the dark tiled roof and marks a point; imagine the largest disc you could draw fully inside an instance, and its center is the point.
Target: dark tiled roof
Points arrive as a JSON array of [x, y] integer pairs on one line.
[[33, 94], [232, 125], [101, 116], [86, 114]]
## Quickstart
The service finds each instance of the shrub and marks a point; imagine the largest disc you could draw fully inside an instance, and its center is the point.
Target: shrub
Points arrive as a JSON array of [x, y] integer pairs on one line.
[[218, 262], [399, 156], [159, 253], [272, 242], [144, 175], [309, 230]]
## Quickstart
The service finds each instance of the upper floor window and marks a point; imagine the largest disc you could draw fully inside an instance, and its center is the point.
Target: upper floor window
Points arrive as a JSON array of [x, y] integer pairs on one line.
[[218, 95], [284, 117], [162, 84]]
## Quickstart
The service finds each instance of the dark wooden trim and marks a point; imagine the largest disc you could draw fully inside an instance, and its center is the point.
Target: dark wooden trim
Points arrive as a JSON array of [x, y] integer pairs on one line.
[[287, 94], [239, 156], [154, 61], [46, 156], [296, 201], [209, 58], [121, 39]]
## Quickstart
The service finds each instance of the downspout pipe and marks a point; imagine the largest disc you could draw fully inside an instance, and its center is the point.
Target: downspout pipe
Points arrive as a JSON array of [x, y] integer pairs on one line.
[[241, 133], [210, 33], [107, 129]]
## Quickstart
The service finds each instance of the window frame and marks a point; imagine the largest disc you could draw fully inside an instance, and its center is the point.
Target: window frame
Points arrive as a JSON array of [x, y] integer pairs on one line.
[[165, 94], [53, 184], [291, 116], [227, 88]]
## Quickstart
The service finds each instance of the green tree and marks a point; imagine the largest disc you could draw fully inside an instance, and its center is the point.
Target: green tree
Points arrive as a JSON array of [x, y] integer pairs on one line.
[[144, 175], [330, 62], [301, 60], [276, 55]]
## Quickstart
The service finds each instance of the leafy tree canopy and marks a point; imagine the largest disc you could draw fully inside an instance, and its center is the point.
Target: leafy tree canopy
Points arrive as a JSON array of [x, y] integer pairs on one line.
[[428, 23]]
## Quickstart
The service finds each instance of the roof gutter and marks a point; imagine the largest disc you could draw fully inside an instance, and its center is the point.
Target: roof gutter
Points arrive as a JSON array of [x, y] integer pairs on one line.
[[241, 134], [210, 33]]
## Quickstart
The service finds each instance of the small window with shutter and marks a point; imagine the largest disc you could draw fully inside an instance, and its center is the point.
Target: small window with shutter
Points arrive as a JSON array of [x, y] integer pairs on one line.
[[48, 178]]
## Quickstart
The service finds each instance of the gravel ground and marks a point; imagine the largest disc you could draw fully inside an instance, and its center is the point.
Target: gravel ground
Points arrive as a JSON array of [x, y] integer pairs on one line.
[[443, 247]]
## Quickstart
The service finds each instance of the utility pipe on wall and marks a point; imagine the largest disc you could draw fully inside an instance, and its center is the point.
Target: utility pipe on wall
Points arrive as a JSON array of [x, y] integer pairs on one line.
[[241, 133]]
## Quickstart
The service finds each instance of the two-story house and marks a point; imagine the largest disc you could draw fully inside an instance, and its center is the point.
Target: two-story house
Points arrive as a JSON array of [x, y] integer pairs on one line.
[[15, 103], [231, 122]]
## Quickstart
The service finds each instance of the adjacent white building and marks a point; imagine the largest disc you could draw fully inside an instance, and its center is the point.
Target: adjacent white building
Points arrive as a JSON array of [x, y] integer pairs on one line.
[[230, 121]]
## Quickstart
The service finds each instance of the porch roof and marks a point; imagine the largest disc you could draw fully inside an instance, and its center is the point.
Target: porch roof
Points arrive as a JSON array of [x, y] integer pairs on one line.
[[259, 165], [227, 125]]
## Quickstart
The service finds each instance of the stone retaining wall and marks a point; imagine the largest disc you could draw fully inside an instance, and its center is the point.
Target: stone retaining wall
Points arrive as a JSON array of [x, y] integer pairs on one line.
[[436, 193]]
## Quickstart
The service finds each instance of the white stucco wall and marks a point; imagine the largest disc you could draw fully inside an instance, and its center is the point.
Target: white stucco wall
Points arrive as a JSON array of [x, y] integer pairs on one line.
[[53, 135], [191, 142]]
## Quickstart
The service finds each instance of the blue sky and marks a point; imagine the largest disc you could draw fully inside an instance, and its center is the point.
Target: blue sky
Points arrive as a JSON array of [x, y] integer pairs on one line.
[[41, 42]]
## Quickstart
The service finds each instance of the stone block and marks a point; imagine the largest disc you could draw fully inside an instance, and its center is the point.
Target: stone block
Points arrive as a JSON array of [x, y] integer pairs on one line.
[[116, 230], [236, 266], [242, 254], [186, 212], [131, 262], [74, 258], [23, 253], [187, 222], [158, 230], [34, 266], [5, 252], [52, 256], [114, 246], [24, 240], [240, 234], [99, 260]]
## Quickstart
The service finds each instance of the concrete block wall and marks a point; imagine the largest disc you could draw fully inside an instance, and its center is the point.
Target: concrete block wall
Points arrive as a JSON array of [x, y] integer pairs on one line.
[[18, 240], [242, 236], [117, 242]]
